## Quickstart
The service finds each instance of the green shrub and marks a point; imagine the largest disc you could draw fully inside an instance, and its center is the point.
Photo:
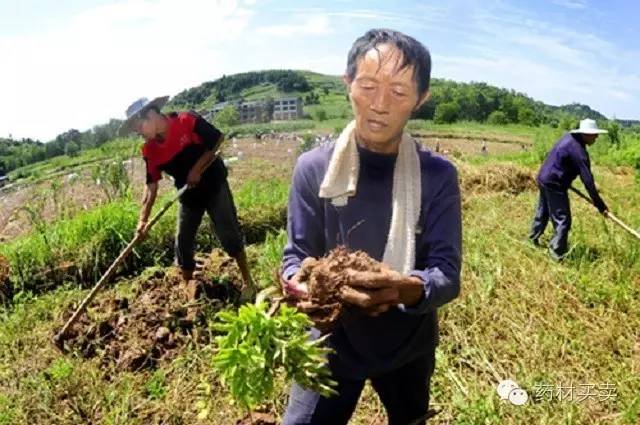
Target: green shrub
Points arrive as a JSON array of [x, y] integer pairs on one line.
[[497, 118]]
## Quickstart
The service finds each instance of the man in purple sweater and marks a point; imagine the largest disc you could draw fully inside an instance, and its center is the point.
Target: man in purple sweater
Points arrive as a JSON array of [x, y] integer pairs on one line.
[[387, 335], [567, 159]]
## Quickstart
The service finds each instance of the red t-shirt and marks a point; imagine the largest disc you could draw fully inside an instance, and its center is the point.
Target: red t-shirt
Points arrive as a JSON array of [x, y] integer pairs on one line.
[[187, 137]]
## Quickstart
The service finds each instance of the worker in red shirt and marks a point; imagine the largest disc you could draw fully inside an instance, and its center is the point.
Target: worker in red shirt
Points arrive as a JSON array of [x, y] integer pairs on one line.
[[184, 146]]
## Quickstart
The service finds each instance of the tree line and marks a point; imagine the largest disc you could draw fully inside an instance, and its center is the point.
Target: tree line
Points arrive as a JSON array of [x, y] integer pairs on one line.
[[18, 153], [450, 101]]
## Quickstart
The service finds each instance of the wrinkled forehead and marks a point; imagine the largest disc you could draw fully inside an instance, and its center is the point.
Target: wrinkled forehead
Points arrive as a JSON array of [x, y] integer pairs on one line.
[[387, 60]]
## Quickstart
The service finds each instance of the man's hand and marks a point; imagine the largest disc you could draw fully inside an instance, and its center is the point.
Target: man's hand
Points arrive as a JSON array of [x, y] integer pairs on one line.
[[194, 176], [141, 229], [293, 287], [605, 213], [377, 292]]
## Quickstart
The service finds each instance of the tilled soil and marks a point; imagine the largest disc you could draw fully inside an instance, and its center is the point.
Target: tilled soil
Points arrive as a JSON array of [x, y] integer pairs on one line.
[[142, 330], [327, 278]]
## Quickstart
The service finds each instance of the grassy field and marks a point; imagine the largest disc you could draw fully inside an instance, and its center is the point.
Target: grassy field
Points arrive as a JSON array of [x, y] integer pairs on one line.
[[573, 326], [63, 164]]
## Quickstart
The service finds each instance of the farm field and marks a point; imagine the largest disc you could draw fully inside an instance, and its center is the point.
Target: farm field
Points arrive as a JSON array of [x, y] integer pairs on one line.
[[571, 327]]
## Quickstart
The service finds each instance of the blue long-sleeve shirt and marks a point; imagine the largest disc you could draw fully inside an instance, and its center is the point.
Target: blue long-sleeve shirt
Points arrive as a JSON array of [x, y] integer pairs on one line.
[[567, 159], [364, 345]]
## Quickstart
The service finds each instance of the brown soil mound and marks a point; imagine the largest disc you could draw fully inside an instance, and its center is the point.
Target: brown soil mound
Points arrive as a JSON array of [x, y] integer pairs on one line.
[[326, 278], [139, 331], [6, 289], [496, 178]]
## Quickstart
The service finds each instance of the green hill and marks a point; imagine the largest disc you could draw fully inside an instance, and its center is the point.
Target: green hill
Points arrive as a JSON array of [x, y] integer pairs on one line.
[[450, 100], [324, 98]]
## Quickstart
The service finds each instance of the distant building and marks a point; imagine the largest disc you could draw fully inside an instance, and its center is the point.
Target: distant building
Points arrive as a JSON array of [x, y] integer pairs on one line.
[[628, 123], [252, 112], [288, 108]]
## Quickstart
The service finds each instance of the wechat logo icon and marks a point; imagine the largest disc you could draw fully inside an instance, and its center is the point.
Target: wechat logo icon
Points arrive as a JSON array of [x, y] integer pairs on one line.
[[511, 391]]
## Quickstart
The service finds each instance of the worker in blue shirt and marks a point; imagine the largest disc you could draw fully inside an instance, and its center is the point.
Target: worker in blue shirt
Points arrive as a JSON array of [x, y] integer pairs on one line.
[[387, 335], [567, 159]]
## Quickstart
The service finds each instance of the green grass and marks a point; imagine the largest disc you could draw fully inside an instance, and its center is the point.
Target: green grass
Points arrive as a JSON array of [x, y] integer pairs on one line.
[[268, 257], [473, 128], [260, 128], [520, 315], [90, 241], [64, 164]]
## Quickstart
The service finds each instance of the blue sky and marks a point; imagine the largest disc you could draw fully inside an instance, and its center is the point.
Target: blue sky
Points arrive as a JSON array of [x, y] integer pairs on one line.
[[74, 64]]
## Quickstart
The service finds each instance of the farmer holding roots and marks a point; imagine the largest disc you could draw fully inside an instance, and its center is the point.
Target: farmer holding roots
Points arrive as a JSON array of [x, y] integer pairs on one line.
[[184, 146], [376, 190], [567, 159]]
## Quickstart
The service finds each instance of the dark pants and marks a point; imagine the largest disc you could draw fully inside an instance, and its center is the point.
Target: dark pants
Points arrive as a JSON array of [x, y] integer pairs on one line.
[[553, 204], [404, 393], [224, 223]]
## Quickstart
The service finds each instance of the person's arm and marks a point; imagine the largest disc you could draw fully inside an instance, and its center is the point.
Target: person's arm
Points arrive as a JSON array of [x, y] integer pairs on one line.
[[211, 138], [148, 199], [442, 235], [149, 194], [582, 162], [305, 224], [422, 290]]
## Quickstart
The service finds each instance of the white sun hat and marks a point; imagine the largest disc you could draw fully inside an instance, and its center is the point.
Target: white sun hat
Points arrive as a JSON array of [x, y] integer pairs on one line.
[[589, 126]]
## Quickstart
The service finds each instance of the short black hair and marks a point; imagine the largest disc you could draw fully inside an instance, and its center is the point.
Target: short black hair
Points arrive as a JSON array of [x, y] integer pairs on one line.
[[414, 54], [144, 111], [152, 108]]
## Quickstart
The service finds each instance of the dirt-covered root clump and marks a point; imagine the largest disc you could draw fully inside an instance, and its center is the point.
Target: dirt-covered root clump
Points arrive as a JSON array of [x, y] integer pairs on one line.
[[326, 279], [162, 314]]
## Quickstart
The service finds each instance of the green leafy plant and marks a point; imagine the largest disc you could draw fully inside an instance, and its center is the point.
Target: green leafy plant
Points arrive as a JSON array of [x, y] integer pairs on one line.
[[227, 117], [156, 385], [320, 114], [59, 370], [255, 346], [614, 135]]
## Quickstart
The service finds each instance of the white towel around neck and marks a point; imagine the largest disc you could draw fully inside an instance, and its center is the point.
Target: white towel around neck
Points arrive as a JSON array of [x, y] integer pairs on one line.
[[341, 179]]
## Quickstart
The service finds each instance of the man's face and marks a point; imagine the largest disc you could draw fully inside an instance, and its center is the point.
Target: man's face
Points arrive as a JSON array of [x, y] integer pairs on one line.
[[145, 125], [383, 96], [589, 139]]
